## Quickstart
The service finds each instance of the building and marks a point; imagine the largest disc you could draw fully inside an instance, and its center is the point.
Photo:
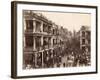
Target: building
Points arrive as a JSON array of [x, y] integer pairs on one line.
[[41, 41], [85, 39]]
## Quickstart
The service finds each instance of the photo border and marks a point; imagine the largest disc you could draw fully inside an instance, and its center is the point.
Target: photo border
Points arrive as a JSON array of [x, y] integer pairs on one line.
[[14, 37]]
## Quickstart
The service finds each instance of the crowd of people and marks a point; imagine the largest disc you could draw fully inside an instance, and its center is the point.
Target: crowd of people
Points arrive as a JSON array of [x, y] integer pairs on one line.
[[62, 57], [75, 57]]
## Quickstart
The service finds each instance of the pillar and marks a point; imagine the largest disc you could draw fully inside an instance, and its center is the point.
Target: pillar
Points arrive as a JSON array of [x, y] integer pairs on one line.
[[41, 26], [24, 41], [41, 41], [42, 51], [24, 24], [34, 44], [24, 31], [34, 25], [35, 60], [42, 61], [51, 42]]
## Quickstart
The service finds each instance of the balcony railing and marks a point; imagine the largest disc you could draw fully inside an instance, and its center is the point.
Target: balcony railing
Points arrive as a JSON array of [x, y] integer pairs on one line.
[[28, 48], [29, 30], [39, 48]]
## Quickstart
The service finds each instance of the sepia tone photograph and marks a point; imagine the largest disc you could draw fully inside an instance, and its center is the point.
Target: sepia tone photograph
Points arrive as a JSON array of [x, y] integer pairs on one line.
[[56, 39], [53, 39]]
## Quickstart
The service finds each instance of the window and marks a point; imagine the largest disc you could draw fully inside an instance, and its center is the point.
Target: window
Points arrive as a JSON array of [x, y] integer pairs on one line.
[[29, 41], [83, 41], [45, 41], [28, 59], [45, 57], [53, 31], [38, 42], [83, 34], [49, 41], [53, 41], [38, 26], [39, 59], [29, 24], [49, 29], [45, 28]]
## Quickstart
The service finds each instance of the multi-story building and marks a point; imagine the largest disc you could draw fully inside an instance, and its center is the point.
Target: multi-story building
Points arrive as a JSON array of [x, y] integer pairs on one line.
[[40, 41], [85, 38]]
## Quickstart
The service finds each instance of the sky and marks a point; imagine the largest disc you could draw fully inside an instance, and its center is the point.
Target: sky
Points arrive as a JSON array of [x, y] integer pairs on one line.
[[71, 21]]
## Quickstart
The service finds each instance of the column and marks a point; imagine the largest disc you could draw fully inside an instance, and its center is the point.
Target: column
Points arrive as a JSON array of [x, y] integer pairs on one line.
[[51, 42], [47, 57], [24, 24], [34, 43], [42, 61], [24, 41], [41, 26], [34, 25], [42, 41], [35, 60], [48, 42]]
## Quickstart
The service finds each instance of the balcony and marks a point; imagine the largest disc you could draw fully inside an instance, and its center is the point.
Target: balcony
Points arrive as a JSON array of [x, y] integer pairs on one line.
[[28, 49], [39, 48], [29, 30], [45, 47]]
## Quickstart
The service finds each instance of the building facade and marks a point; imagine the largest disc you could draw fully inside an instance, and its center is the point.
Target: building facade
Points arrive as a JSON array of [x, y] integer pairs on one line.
[[41, 42], [85, 39]]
